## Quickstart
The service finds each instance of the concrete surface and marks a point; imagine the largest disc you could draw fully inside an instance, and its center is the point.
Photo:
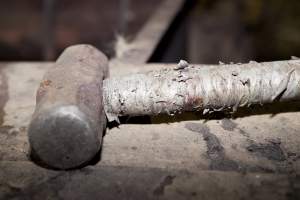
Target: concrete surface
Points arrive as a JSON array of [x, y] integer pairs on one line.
[[253, 156]]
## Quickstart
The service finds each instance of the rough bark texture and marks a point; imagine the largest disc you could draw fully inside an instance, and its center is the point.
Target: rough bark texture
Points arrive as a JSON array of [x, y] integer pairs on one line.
[[207, 88]]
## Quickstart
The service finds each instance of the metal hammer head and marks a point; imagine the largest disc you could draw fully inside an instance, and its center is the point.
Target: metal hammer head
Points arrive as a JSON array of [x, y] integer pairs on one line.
[[67, 125]]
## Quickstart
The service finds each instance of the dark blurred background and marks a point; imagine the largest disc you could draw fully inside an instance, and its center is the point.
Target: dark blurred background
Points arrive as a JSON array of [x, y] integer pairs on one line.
[[206, 31]]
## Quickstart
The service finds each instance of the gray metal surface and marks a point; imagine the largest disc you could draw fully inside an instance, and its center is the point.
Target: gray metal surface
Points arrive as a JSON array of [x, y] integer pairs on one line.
[[68, 122]]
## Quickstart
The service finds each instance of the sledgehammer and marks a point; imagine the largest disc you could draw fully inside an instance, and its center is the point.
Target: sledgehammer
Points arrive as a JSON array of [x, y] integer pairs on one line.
[[76, 97]]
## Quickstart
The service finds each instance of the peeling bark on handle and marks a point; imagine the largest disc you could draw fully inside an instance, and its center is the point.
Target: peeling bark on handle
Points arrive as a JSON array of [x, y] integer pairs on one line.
[[211, 88]]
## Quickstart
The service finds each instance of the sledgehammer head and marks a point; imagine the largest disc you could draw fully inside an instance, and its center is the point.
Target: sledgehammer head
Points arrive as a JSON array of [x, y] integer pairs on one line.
[[67, 125]]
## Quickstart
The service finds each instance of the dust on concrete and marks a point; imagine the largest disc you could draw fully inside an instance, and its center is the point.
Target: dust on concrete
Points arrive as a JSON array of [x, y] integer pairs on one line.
[[168, 180], [215, 151], [243, 132], [219, 161], [228, 124], [23, 180], [101, 182], [271, 150]]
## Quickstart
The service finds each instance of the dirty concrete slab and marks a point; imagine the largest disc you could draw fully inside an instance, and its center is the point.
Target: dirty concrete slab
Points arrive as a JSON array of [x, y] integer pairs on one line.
[[24, 180], [224, 154]]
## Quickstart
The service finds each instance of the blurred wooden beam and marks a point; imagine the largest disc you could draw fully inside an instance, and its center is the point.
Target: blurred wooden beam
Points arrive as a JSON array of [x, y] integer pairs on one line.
[[141, 48], [48, 25]]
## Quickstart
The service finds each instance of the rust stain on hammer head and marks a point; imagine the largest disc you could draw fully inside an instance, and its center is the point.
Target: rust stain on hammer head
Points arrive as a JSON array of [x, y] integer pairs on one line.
[[45, 83], [42, 90]]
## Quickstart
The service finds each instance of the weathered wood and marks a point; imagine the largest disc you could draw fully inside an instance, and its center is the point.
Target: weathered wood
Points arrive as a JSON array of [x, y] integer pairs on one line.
[[141, 48]]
